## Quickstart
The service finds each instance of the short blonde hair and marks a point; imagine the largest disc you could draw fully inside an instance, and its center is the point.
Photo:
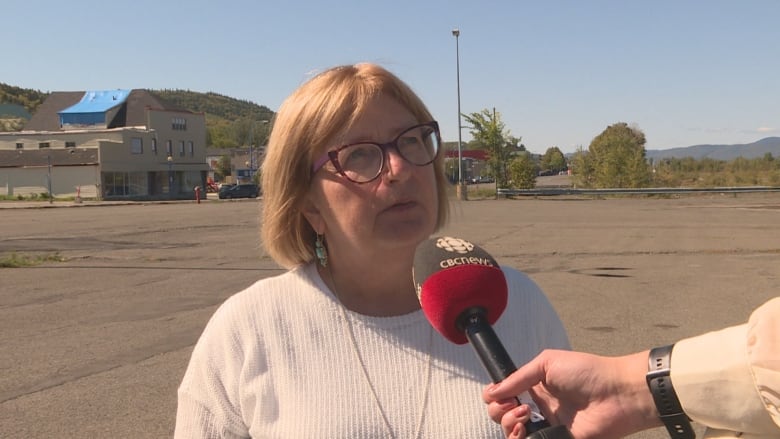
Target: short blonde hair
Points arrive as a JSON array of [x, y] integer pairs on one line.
[[307, 123]]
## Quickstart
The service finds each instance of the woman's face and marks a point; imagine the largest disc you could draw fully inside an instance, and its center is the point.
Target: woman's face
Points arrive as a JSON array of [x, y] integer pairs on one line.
[[396, 211]]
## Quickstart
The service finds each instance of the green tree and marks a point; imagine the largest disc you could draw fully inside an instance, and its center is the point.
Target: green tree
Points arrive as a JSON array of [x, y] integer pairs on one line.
[[223, 167], [615, 159], [553, 160], [582, 169], [522, 172], [220, 135], [451, 169], [488, 131]]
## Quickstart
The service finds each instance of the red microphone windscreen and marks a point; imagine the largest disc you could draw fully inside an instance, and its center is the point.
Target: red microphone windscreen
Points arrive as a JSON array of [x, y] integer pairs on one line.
[[452, 275]]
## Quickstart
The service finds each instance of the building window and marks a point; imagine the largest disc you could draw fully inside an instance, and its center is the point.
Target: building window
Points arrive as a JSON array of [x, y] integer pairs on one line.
[[181, 148], [70, 144], [20, 146], [125, 184], [137, 145], [154, 146], [191, 147], [169, 147], [42, 145], [179, 124]]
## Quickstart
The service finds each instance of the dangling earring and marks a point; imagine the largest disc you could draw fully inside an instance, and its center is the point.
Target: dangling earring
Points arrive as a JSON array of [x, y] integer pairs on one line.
[[322, 252]]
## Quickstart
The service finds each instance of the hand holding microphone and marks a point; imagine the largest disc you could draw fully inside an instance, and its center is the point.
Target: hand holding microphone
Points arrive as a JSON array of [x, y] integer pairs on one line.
[[462, 291]]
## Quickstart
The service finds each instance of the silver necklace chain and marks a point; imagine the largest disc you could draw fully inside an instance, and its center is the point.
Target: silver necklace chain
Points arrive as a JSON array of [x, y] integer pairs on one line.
[[364, 369]]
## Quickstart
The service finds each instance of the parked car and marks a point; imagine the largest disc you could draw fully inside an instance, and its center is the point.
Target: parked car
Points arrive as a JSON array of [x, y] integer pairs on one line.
[[238, 191], [481, 179]]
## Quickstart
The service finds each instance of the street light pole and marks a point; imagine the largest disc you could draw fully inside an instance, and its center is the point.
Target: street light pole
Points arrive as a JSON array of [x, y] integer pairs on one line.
[[461, 183], [251, 139], [251, 162], [48, 178], [170, 176]]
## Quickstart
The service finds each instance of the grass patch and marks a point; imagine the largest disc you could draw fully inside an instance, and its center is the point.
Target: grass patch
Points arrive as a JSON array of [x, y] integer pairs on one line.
[[480, 193], [40, 197], [15, 260]]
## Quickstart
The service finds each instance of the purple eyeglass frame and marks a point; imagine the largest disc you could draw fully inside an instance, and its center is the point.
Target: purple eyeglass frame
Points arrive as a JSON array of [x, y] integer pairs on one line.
[[332, 155]]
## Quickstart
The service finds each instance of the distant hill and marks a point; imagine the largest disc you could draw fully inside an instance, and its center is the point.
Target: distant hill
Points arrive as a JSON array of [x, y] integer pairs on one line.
[[28, 98], [727, 153], [215, 105]]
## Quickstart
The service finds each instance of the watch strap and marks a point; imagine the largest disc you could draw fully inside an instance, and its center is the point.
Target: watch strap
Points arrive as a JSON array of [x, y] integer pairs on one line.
[[666, 402]]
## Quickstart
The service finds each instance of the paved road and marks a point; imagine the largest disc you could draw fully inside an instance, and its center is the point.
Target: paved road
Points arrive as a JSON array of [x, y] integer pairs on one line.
[[95, 346]]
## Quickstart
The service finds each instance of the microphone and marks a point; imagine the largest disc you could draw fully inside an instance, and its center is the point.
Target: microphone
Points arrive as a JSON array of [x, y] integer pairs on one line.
[[462, 292]]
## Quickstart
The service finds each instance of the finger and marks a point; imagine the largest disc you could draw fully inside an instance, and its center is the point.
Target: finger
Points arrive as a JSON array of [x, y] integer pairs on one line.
[[518, 432], [521, 380], [513, 421], [497, 410], [486, 395]]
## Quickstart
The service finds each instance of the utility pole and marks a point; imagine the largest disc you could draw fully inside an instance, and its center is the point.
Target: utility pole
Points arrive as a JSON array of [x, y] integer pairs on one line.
[[48, 178]]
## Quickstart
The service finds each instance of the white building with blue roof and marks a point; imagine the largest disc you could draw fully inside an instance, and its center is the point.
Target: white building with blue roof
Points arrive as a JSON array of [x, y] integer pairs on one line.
[[106, 144]]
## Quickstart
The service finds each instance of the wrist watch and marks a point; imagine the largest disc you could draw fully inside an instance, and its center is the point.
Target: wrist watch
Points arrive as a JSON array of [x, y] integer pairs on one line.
[[666, 402]]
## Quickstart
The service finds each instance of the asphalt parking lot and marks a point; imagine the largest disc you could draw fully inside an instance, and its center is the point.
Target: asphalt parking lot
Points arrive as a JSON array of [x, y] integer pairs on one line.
[[95, 345]]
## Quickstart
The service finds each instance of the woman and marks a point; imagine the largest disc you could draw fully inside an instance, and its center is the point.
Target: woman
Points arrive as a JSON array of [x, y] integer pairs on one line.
[[338, 346]]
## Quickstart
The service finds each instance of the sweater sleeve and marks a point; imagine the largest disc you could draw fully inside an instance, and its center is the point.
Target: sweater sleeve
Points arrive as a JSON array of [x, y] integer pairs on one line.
[[195, 420], [209, 402], [730, 379]]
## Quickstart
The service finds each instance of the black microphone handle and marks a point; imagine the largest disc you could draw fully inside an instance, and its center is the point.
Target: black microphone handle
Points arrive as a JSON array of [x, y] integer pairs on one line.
[[499, 365]]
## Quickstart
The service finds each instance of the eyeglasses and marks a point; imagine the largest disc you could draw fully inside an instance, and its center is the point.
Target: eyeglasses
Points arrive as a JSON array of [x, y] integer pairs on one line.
[[363, 162]]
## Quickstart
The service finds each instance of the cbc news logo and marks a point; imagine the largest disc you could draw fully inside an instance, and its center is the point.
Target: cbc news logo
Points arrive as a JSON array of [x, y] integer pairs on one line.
[[454, 245]]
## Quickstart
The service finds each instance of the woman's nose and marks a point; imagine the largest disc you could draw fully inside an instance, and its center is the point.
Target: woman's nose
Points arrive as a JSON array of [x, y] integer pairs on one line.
[[395, 164]]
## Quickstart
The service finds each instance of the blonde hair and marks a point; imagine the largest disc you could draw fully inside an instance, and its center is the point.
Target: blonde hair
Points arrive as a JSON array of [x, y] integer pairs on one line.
[[307, 122]]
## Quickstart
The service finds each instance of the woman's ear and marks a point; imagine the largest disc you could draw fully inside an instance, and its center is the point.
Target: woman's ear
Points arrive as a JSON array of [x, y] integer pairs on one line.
[[313, 215]]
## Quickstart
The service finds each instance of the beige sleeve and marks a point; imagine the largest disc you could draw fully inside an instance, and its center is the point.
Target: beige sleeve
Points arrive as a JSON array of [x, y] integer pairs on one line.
[[730, 379]]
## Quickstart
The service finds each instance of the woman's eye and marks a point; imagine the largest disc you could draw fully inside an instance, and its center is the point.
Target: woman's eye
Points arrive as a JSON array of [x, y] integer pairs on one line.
[[408, 140], [357, 154]]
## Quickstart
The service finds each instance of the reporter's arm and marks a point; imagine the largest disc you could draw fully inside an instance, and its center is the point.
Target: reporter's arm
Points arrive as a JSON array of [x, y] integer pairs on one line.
[[730, 379], [726, 380]]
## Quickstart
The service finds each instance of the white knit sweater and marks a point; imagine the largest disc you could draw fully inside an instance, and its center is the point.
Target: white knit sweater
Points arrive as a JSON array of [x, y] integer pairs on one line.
[[276, 361]]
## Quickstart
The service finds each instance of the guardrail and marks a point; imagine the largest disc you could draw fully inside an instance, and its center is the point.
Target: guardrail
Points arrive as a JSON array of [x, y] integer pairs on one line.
[[542, 192]]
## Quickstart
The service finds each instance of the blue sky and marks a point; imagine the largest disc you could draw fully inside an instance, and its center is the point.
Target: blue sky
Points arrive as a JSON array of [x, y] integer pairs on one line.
[[559, 72]]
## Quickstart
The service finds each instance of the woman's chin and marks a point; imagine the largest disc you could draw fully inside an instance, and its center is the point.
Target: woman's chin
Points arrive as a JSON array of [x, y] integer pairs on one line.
[[406, 234]]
